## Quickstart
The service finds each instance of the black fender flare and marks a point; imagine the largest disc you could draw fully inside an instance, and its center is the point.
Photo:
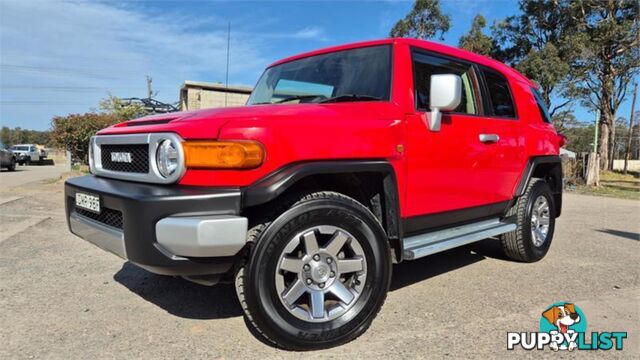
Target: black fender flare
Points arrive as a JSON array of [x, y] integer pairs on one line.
[[552, 165], [276, 183]]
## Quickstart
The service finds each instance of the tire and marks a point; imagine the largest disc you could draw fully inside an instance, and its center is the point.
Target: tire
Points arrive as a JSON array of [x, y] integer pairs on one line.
[[522, 244], [12, 165], [290, 325]]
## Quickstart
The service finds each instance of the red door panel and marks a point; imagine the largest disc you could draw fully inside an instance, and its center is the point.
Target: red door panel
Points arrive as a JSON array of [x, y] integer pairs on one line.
[[452, 169]]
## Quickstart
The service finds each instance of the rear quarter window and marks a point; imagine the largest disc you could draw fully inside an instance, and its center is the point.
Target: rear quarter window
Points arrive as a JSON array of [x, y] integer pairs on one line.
[[499, 94], [542, 106]]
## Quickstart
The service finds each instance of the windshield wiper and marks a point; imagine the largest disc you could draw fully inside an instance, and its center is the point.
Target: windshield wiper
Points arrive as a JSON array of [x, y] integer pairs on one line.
[[290, 98], [296, 97], [350, 97]]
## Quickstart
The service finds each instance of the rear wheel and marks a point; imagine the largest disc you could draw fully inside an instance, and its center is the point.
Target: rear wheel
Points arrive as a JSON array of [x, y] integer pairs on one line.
[[318, 273], [12, 165], [535, 216]]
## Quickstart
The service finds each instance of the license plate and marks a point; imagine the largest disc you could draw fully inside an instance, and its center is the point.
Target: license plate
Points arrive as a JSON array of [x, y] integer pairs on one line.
[[88, 202]]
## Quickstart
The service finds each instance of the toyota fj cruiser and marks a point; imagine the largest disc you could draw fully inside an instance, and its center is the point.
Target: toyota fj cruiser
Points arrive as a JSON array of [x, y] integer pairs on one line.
[[346, 160]]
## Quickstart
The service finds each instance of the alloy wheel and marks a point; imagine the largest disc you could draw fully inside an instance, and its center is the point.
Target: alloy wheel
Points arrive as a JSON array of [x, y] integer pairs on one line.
[[321, 273]]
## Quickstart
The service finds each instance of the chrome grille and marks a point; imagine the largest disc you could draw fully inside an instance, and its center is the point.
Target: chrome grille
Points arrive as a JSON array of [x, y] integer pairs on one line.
[[140, 150]]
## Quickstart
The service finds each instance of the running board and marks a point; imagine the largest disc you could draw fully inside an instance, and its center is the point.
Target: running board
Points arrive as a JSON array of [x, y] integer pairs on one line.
[[418, 246]]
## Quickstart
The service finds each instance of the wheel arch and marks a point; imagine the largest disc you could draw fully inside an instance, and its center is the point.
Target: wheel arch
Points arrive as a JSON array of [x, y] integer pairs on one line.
[[548, 168], [371, 182]]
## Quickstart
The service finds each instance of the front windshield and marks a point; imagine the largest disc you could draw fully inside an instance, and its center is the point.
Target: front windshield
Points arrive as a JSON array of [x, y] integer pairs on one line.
[[348, 75]]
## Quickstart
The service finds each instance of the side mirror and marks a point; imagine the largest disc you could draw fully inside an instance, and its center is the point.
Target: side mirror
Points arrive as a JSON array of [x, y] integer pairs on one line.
[[444, 95]]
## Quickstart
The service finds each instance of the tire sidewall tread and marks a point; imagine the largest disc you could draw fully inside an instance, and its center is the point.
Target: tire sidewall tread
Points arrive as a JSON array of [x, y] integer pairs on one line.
[[261, 305], [518, 244]]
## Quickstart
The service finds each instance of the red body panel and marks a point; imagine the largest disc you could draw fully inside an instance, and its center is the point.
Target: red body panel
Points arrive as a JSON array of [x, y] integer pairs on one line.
[[437, 171]]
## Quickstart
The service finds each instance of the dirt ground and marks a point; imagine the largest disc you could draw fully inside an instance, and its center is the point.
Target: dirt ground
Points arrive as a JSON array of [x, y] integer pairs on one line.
[[61, 297]]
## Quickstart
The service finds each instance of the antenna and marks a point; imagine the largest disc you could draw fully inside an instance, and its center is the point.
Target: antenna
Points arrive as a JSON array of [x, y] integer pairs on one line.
[[226, 81]]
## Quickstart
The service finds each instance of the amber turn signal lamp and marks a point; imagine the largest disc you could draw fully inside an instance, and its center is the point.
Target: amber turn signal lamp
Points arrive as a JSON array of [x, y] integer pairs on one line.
[[223, 154]]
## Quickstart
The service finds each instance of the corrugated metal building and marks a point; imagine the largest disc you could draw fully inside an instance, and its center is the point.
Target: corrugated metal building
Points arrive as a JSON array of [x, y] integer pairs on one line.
[[196, 95]]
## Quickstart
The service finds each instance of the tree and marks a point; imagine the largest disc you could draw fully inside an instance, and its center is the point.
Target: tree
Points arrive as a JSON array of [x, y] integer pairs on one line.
[[609, 59], [72, 132], [425, 21], [18, 135], [540, 43], [579, 134], [475, 40], [114, 106]]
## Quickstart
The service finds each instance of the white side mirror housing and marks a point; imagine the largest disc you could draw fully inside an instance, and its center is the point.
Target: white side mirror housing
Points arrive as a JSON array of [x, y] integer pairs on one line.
[[444, 95]]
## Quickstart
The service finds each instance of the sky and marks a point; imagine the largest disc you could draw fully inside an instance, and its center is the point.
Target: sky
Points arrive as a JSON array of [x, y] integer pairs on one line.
[[61, 57]]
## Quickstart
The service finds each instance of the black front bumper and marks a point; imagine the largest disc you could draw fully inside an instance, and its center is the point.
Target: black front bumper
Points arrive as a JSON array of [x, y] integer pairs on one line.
[[131, 211]]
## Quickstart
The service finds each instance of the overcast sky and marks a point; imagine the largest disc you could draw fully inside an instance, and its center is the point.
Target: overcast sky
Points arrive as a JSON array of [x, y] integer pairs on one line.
[[60, 57]]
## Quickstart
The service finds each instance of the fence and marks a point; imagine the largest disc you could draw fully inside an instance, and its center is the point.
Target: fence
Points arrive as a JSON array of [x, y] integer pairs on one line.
[[634, 165]]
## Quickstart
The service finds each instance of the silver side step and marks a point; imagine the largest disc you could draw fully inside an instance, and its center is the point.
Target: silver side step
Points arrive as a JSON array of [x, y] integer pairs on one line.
[[430, 243]]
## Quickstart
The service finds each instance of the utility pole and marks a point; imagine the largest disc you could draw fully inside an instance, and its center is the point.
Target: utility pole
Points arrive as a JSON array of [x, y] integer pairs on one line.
[[633, 109], [595, 137], [226, 80], [149, 90], [593, 163]]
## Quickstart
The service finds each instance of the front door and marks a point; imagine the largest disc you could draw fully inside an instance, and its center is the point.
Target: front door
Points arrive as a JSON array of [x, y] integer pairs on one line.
[[460, 170]]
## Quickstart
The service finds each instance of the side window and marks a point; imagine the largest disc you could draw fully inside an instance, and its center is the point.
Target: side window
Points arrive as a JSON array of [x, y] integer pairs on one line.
[[544, 109], [426, 65], [33, 148], [499, 94]]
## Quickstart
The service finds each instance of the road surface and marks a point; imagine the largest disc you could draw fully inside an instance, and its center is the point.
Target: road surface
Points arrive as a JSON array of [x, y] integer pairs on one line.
[[61, 297], [29, 174]]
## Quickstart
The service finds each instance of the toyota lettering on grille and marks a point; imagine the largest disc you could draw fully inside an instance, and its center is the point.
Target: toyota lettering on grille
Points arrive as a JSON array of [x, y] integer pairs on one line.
[[121, 157]]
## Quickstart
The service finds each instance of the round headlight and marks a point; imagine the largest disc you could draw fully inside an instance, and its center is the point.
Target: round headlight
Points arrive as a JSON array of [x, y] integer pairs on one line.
[[167, 158]]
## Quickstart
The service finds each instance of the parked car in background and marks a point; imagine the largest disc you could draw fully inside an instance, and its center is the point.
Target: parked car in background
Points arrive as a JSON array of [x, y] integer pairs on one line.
[[28, 153], [7, 158], [44, 152]]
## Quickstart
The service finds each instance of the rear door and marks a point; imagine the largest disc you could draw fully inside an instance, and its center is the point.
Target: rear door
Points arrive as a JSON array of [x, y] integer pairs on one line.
[[459, 171]]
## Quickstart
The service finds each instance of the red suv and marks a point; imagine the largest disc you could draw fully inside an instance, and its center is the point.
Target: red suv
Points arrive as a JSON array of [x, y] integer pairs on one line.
[[345, 161]]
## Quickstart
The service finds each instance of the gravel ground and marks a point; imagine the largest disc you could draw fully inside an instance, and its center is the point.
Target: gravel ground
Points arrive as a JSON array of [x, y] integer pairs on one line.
[[61, 297]]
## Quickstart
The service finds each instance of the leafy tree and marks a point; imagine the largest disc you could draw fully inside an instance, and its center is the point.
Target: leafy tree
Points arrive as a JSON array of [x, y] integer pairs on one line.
[[609, 59], [114, 106], [475, 40], [540, 42], [18, 135], [73, 131], [579, 134], [425, 21]]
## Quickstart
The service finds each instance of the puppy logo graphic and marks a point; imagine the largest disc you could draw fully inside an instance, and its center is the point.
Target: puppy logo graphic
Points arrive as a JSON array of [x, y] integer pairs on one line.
[[564, 317]]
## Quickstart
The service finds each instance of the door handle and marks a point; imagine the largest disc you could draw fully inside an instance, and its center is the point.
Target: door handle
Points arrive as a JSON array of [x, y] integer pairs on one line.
[[489, 138]]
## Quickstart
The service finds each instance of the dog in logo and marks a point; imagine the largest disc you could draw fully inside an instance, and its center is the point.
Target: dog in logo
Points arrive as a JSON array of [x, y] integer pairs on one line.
[[562, 316]]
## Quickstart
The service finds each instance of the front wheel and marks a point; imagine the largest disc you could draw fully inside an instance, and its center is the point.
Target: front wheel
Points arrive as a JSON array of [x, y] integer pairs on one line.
[[535, 216], [12, 165], [318, 273]]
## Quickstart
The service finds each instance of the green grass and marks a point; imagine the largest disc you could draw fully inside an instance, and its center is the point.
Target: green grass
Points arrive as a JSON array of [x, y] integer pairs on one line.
[[619, 176], [614, 184], [610, 191], [80, 168]]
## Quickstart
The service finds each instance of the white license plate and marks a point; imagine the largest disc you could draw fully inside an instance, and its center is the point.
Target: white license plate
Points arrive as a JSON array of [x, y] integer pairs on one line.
[[88, 202]]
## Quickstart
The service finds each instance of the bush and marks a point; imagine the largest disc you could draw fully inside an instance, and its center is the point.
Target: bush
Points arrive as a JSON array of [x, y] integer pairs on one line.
[[73, 131]]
